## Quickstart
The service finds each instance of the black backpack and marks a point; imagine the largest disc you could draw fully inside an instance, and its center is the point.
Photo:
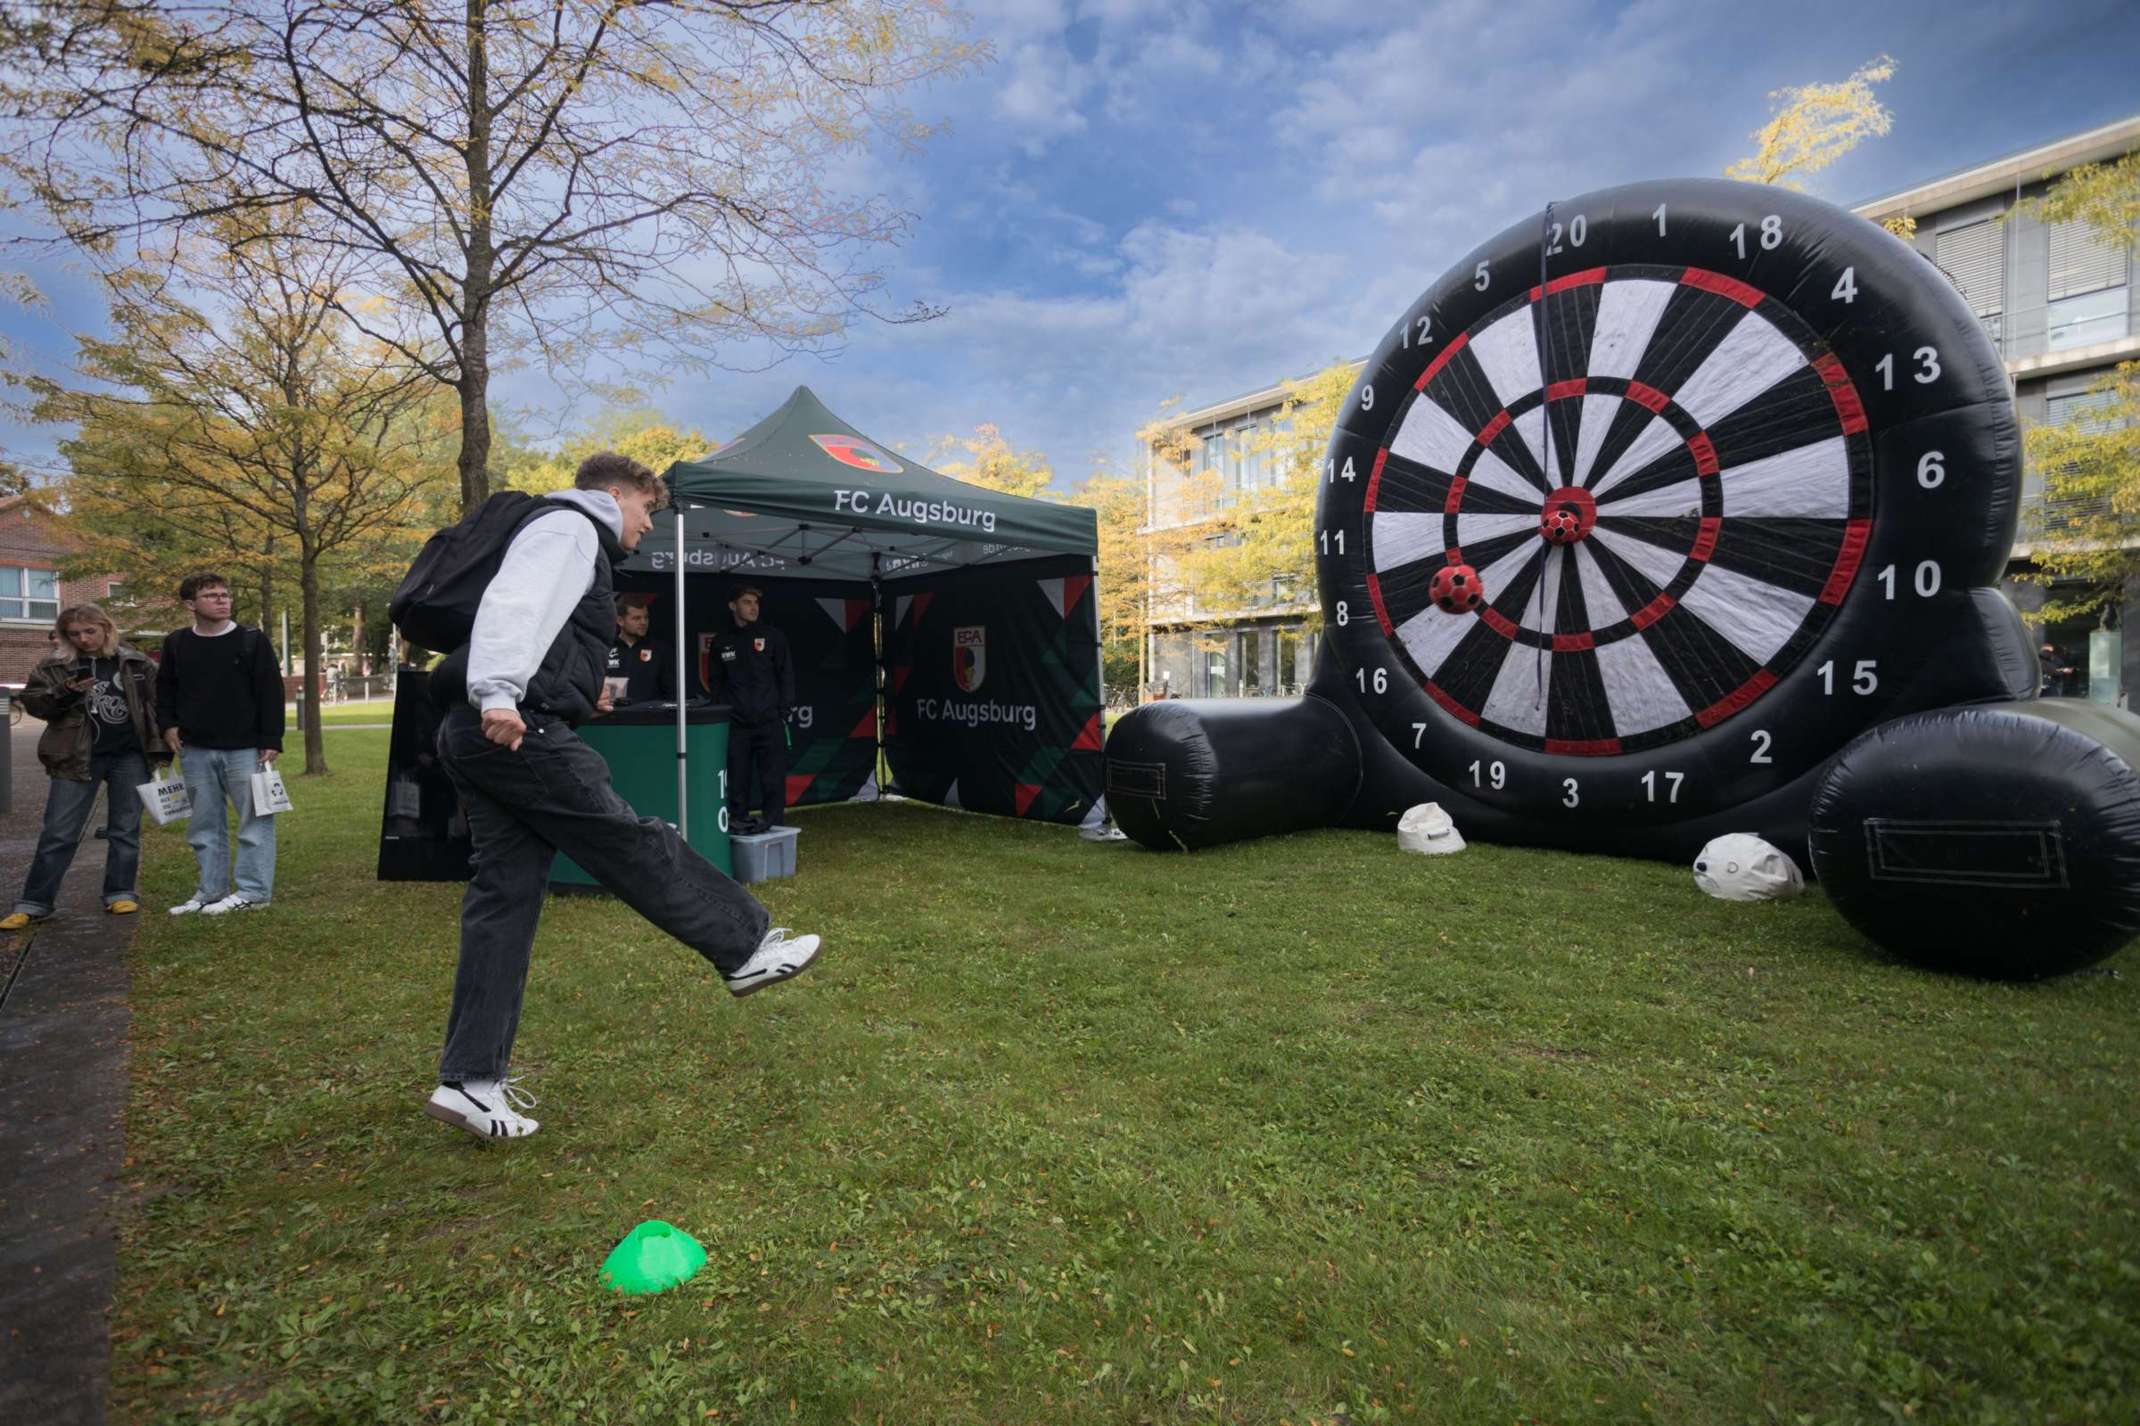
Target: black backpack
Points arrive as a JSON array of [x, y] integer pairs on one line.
[[436, 602]]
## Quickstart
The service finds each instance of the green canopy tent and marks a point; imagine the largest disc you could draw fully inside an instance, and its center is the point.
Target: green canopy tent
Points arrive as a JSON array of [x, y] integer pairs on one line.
[[947, 632]]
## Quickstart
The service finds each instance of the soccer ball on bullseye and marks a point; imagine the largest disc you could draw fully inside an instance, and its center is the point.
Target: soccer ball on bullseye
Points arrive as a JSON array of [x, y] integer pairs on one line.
[[1562, 525], [1456, 589]]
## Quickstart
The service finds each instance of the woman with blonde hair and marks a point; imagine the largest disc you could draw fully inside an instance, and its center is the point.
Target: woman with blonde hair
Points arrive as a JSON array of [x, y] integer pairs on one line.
[[97, 697]]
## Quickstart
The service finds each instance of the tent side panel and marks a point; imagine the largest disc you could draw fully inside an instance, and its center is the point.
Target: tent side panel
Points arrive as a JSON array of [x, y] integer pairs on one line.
[[993, 684]]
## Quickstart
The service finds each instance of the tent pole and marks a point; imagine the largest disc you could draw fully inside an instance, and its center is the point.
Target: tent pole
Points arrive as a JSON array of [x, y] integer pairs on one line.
[[683, 780]]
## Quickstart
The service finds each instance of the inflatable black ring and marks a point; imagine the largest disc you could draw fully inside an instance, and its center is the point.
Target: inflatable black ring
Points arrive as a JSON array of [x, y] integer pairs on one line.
[[1741, 464]]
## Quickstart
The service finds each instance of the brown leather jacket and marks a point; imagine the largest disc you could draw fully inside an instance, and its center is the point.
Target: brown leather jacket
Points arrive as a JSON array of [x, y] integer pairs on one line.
[[64, 748]]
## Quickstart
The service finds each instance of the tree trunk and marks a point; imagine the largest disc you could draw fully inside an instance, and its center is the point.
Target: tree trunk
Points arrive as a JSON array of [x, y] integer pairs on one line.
[[482, 263], [308, 578]]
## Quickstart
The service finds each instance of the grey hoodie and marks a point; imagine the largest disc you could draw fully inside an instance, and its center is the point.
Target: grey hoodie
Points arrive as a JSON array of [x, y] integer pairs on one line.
[[547, 569]]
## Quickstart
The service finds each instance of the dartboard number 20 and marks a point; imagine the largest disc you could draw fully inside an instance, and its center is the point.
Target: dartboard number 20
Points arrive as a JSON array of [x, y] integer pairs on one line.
[[1604, 544]]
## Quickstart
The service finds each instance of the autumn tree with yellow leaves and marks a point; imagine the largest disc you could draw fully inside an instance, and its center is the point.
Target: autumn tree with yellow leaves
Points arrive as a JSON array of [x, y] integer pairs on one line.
[[243, 408], [596, 187], [1815, 124]]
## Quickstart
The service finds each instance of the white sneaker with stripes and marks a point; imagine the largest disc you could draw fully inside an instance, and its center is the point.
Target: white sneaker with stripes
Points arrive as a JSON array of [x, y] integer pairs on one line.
[[486, 1108], [780, 955]]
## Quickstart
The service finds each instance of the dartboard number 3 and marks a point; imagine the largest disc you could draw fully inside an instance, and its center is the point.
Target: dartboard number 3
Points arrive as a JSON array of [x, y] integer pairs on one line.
[[1770, 235], [1327, 541], [1672, 780], [1496, 773], [1925, 581], [1864, 677], [1380, 684], [1927, 359], [1571, 795]]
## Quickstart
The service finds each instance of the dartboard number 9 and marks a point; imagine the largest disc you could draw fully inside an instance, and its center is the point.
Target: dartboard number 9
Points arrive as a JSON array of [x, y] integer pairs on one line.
[[1623, 538]]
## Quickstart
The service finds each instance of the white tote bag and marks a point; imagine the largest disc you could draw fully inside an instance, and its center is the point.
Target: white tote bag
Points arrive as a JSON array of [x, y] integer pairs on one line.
[[269, 795], [166, 798]]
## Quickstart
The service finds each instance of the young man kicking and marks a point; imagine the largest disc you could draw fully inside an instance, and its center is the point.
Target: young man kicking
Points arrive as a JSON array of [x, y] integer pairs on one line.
[[533, 669]]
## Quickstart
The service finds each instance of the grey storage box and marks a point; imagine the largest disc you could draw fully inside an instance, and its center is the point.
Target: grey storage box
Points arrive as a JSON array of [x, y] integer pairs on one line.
[[764, 855]]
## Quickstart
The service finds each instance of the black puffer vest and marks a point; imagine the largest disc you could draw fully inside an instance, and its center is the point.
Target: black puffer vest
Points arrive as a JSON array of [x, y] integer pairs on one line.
[[569, 679]]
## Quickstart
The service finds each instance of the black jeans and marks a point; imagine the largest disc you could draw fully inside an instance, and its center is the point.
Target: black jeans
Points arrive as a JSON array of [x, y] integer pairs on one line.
[[553, 795], [757, 770]]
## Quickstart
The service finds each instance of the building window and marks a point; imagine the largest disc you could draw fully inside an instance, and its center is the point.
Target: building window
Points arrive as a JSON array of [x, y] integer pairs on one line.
[[2087, 288], [29, 593], [1974, 258], [1214, 673]]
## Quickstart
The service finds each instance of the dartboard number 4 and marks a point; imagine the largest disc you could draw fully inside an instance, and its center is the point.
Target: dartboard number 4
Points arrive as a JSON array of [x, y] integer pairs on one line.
[[1927, 359], [1864, 677], [1380, 683], [1925, 581], [1672, 780], [1846, 286], [1496, 774], [1770, 234]]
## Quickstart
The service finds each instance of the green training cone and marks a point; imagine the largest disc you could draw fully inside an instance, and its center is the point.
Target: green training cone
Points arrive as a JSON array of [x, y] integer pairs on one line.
[[653, 1257]]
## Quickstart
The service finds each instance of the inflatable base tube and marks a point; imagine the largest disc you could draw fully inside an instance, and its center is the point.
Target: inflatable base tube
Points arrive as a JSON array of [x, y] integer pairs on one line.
[[2001, 840], [1193, 773]]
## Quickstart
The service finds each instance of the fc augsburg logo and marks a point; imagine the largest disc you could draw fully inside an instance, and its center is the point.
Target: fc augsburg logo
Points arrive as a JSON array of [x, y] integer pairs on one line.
[[969, 656]]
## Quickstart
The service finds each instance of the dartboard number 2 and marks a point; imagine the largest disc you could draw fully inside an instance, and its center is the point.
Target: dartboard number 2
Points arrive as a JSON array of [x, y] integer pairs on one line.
[[1672, 782], [1925, 581], [1762, 743], [1496, 773], [1864, 677]]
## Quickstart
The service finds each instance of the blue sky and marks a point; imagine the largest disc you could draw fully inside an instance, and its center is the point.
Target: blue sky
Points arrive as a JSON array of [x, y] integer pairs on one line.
[[1150, 198]]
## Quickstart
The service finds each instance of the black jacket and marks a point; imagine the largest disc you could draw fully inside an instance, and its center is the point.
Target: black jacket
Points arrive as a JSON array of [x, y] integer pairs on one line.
[[752, 673], [648, 668], [223, 692]]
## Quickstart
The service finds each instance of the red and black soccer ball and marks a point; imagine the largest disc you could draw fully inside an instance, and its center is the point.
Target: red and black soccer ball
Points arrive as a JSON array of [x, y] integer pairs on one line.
[[1561, 525], [1456, 589]]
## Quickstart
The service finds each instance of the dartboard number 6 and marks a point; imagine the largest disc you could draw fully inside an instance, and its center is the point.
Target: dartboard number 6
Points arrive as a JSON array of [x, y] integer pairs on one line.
[[1925, 581], [1864, 677], [1380, 682], [1931, 469], [1927, 359]]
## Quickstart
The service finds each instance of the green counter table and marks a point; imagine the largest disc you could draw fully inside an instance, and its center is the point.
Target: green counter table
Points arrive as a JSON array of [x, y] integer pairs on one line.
[[639, 744]]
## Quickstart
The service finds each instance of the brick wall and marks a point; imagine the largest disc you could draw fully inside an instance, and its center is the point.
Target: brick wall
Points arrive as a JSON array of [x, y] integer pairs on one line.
[[33, 538]]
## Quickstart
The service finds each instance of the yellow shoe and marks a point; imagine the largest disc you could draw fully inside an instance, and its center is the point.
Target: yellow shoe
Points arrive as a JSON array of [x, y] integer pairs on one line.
[[123, 908], [16, 920]]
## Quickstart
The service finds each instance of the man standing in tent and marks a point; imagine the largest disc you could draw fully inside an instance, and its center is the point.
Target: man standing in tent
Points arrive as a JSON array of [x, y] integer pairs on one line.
[[649, 673], [754, 676], [533, 668]]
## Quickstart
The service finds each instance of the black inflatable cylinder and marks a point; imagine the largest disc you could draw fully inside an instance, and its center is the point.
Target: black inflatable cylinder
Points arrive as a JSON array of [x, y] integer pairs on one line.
[[1193, 773], [2001, 840]]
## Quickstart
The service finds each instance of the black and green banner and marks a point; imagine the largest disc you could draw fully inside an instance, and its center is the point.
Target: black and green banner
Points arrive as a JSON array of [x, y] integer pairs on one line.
[[993, 689]]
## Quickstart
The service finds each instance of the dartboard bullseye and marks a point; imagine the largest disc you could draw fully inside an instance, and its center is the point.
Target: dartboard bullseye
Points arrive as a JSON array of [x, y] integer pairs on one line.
[[1657, 528]]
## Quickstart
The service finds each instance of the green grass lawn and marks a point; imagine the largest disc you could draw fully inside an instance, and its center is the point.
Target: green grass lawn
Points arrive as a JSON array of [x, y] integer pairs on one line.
[[1298, 1131]]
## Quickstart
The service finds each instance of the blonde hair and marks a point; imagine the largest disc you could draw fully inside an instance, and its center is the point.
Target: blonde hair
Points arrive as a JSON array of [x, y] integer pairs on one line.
[[87, 614]]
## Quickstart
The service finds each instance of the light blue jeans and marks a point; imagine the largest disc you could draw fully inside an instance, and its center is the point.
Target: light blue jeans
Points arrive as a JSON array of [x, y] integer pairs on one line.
[[219, 779]]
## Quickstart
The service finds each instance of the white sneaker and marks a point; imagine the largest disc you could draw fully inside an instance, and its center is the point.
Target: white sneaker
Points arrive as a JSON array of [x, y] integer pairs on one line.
[[187, 907], [779, 956], [230, 903], [486, 1108]]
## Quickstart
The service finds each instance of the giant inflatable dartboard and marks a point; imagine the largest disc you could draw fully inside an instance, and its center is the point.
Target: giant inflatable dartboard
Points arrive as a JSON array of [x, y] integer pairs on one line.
[[1652, 504]]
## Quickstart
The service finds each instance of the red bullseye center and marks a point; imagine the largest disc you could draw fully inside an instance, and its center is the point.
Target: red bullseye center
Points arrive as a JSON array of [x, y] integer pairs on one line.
[[1570, 513]]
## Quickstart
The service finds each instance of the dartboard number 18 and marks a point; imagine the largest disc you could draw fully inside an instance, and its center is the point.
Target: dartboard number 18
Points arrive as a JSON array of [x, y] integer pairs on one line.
[[1653, 530]]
